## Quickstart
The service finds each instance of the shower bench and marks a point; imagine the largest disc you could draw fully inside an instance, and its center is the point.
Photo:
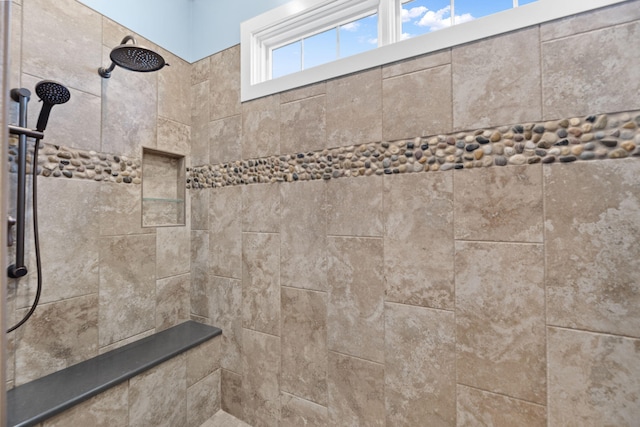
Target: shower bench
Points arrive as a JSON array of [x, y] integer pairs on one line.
[[40, 399]]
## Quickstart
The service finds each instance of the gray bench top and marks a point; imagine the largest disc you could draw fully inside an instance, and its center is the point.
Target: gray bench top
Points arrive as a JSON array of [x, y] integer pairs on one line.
[[40, 399]]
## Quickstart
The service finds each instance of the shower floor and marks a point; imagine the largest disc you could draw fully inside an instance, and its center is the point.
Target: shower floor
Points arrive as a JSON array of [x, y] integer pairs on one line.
[[222, 419]]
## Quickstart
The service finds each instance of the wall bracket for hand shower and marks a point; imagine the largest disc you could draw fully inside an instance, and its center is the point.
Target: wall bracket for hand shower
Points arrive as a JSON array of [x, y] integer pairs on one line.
[[133, 57]]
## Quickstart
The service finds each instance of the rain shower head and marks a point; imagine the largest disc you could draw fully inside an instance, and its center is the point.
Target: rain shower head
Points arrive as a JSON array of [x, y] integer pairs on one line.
[[133, 57], [50, 93]]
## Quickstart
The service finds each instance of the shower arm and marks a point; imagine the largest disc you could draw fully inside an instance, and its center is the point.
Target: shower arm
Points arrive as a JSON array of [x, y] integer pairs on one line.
[[106, 72]]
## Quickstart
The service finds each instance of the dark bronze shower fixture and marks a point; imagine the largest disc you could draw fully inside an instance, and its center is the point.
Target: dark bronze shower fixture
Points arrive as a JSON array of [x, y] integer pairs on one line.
[[133, 57]]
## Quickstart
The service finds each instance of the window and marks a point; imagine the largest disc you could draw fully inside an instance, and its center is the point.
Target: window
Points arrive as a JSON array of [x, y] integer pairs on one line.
[[306, 41], [338, 42]]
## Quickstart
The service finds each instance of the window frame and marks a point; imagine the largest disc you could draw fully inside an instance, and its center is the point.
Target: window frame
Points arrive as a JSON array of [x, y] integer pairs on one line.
[[303, 18]]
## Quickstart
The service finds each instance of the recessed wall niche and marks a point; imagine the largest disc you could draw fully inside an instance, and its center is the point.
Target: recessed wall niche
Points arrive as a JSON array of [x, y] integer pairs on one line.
[[163, 188]]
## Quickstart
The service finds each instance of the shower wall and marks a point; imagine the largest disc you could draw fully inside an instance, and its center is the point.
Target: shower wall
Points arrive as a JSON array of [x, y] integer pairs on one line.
[[471, 294], [107, 280]]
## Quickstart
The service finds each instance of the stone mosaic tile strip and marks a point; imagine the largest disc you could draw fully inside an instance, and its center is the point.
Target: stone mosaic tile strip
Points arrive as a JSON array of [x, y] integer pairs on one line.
[[594, 137], [58, 161], [606, 136]]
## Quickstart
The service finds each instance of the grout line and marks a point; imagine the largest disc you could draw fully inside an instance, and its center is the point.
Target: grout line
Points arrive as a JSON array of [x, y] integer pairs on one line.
[[260, 332], [355, 357], [502, 394], [304, 289], [306, 400], [587, 331], [544, 281], [500, 242], [420, 306]]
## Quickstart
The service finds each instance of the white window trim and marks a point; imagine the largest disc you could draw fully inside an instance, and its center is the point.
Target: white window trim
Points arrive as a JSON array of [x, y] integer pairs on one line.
[[299, 18]]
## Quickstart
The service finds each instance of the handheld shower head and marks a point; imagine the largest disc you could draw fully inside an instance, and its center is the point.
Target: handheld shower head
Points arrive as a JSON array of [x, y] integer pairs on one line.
[[133, 57], [50, 93]]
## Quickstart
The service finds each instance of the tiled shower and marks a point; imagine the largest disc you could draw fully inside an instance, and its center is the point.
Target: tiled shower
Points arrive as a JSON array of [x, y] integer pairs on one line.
[[467, 295]]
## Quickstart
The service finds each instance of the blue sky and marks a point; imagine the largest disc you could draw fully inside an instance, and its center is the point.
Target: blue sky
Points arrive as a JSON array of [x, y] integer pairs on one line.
[[418, 17]]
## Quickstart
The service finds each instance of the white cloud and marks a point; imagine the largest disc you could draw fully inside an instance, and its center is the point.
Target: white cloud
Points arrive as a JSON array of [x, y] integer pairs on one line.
[[466, 17], [415, 12], [373, 41], [351, 26], [442, 19], [405, 36]]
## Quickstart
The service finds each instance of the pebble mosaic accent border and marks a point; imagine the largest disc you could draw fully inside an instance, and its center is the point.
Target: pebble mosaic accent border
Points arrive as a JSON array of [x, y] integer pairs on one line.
[[57, 161], [607, 136]]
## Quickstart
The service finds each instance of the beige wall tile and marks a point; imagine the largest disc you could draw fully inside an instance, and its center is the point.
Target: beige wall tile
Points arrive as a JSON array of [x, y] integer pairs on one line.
[[356, 392], [158, 397], [419, 267], [203, 400], [499, 204], [127, 286], [226, 313], [480, 408], [75, 123], [172, 301], [355, 322], [298, 412], [201, 70], [261, 379], [174, 89], [408, 107], [126, 341], [600, 18], [109, 408], [225, 83], [200, 128], [573, 79], [303, 241], [222, 419], [203, 360], [304, 344], [225, 231], [417, 63], [354, 109], [593, 379], [231, 390], [113, 33], [354, 207], [303, 125], [120, 209], [261, 127], [129, 111], [15, 52], [261, 282], [173, 251], [261, 208], [491, 87], [58, 335], [500, 323], [420, 371], [174, 137], [225, 140], [48, 48], [199, 209], [304, 92], [70, 269], [198, 291], [592, 231]]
